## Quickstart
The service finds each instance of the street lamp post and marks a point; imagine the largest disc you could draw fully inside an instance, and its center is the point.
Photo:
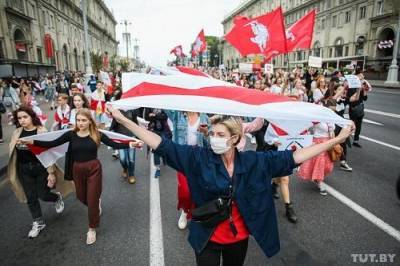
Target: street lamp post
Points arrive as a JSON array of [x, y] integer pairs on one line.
[[392, 77], [126, 23], [88, 64]]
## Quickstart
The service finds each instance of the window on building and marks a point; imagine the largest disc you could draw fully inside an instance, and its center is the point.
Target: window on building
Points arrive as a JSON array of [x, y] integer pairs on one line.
[[363, 11], [323, 24], [328, 4], [346, 51], [330, 52], [379, 5], [334, 21], [347, 17], [360, 45], [317, 49], [1, 50], [44, 17], [299, 56], [32, 11], [339, 47], [39, 55]]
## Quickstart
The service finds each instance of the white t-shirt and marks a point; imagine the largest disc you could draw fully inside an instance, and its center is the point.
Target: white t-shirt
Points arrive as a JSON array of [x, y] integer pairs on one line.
[[276, 89], [192, 133], [321, 130]]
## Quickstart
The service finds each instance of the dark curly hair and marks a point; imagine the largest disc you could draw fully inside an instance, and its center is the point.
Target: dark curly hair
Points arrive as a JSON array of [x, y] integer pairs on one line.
[[35, 119]]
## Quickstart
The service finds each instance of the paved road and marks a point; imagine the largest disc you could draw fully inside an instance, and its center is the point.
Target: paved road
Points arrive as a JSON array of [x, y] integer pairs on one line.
[[328, 233]]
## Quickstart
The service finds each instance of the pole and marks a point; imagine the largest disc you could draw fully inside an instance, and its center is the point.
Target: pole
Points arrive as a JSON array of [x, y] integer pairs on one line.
[[88, 64], [288, 61], [392, 78], [126, 37]]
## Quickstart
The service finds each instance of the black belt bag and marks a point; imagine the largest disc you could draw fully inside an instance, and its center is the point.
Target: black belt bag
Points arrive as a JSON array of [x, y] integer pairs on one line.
[[213, 212], [216, 211]]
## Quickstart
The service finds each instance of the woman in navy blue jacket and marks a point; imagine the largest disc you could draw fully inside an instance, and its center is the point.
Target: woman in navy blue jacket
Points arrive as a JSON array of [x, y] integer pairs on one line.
[[210, 173]]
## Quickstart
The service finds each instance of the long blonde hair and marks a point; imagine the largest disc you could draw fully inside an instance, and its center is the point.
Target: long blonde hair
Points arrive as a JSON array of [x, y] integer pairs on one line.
[[93, 130]]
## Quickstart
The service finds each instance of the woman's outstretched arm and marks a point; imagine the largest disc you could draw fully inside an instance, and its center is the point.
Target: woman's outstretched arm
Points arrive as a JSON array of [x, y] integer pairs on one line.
[[304, 154], [148, 137]]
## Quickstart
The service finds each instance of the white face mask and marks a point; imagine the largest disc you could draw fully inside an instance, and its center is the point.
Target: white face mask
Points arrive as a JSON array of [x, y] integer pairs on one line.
[[219, 145]]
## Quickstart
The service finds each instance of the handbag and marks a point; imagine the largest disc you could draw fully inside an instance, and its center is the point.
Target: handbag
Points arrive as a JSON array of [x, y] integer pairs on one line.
[[216, 211], [335, 152]]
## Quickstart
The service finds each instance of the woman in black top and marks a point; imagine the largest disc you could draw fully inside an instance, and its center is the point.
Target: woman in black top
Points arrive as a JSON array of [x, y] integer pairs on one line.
[[84, 141], [36, 180]]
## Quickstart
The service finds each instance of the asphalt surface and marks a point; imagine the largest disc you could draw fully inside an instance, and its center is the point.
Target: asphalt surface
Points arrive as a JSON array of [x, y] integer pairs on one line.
[[328, 232]]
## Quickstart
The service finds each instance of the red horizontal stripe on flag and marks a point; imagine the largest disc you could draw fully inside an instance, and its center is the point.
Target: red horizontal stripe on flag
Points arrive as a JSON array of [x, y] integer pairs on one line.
[[242, 95], [125, 141], [191, 71], [36, 149]]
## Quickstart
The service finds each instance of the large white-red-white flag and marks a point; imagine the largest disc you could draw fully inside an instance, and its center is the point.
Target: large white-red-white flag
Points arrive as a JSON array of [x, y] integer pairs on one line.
[[176, 70], [186, 92], [49, 156]]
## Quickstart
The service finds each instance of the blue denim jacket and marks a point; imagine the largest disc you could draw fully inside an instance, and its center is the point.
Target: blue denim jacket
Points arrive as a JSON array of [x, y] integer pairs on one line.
[[180, 122], [208, 178]]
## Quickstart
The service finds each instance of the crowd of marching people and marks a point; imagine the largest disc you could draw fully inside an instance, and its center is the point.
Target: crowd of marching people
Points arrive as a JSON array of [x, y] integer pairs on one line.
[[208, 152]]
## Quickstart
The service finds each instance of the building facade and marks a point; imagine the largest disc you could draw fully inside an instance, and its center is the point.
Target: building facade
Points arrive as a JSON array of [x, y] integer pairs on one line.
[[44, 36], [345, 32]]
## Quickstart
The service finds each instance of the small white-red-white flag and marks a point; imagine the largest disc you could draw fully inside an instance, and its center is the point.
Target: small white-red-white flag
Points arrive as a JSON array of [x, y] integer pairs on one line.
[[49, 156]]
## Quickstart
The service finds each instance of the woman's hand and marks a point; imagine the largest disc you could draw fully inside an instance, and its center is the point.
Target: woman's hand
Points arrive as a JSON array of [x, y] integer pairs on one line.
[[51, 180], [136, 144], [203, 128], [116, 114], [346, 132], [24, 142]]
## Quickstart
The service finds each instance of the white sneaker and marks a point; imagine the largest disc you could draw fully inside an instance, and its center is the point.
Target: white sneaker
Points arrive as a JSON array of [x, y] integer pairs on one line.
[[90, 237], [36, 228], [59, 203], [182, 222]]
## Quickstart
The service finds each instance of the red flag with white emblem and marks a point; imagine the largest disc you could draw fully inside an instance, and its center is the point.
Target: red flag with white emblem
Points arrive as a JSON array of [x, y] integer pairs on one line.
[[261, 35], [177, 51], [300, 34], [199, 44]]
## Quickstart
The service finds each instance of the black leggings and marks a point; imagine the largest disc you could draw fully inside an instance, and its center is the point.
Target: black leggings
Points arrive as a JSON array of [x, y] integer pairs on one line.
[[232, 254], [33, 178], [358, 122]]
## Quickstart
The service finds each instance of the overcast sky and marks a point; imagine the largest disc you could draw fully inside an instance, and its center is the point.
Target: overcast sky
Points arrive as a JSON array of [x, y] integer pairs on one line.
[[160, 25]]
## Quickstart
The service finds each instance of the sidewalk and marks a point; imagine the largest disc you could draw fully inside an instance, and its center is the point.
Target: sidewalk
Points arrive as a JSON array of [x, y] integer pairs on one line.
[[8, 130], [381, 84]]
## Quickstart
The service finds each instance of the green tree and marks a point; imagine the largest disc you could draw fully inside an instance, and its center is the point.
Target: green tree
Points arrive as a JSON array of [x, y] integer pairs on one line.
[[97, 61], [124, 64], [212, 45]]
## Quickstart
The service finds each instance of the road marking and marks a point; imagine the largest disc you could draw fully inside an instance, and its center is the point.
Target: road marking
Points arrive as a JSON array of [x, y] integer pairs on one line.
[[381, 142], [156, 235], [382, 113], [364, 213], [365, 120]]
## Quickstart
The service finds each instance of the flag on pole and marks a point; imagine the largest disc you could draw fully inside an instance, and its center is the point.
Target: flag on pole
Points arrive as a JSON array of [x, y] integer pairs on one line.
[[177, 51], [299, 35], [261, 35], [49, 156], [199, 44], [207, 95]]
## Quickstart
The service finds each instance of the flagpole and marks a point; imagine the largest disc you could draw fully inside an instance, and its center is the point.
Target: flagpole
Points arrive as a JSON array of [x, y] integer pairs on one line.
[[288, 61]]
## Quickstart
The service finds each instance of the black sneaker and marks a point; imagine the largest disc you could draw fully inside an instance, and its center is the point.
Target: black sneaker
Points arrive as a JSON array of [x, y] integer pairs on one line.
[[345, 166], [275, 193], [355, 144], [290, 214]]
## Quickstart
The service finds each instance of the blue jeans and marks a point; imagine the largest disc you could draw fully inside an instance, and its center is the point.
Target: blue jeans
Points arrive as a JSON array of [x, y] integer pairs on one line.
[[127, 160]]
